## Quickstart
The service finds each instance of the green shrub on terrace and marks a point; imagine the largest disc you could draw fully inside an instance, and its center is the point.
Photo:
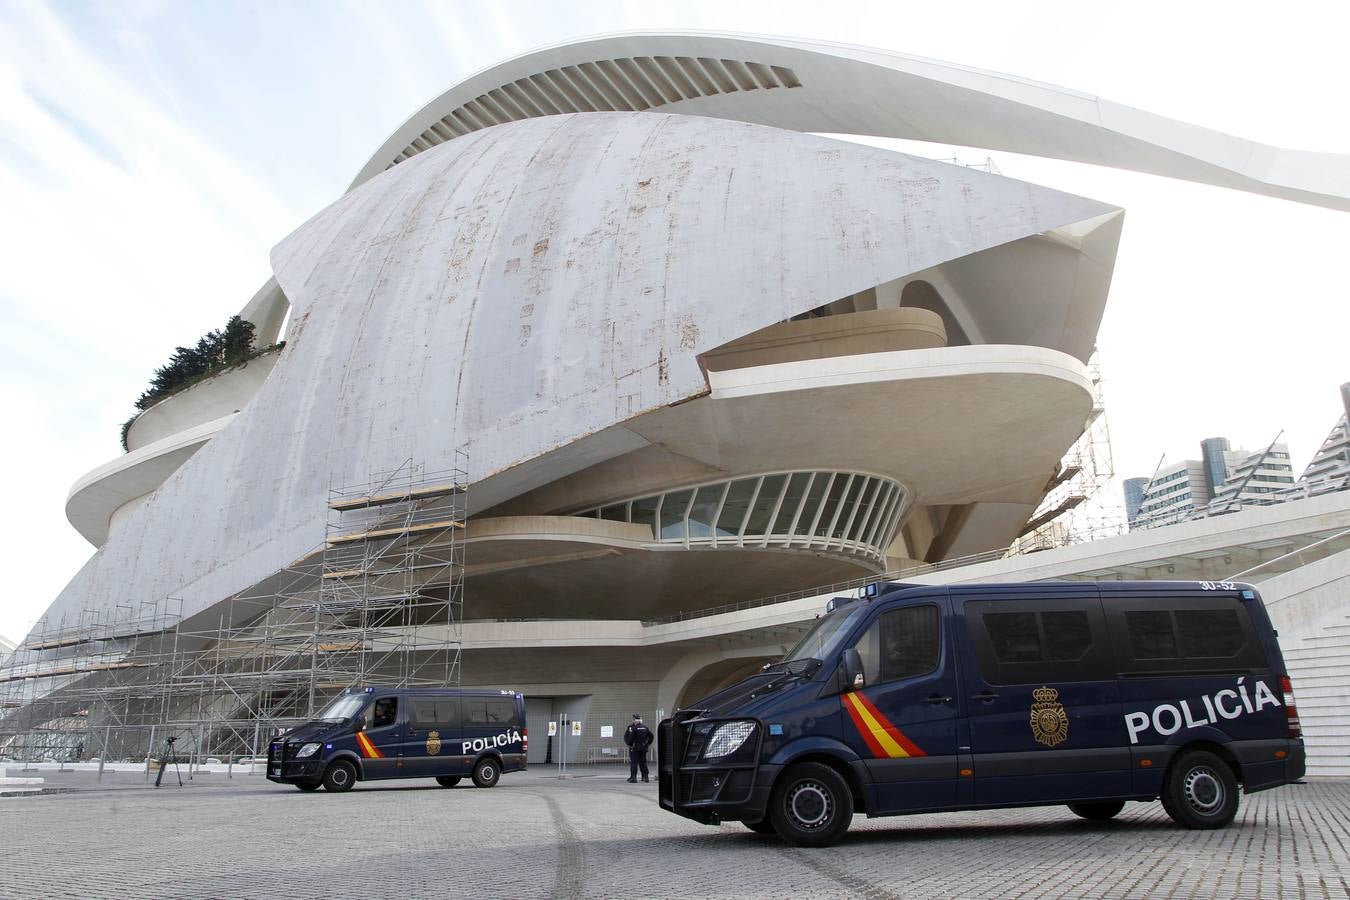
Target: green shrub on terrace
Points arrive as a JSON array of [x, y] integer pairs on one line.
[[215, 352]]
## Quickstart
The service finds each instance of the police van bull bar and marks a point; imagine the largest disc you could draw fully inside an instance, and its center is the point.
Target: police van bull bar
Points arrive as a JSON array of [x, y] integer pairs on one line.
[[709, 769]]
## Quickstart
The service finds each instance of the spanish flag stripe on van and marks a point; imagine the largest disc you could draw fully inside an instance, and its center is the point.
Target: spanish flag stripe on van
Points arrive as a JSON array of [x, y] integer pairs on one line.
[[881, 737], [368, 750]]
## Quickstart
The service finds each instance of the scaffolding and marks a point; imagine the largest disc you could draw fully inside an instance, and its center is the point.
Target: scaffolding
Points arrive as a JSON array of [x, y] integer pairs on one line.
[[1076, 507], [381, 600]]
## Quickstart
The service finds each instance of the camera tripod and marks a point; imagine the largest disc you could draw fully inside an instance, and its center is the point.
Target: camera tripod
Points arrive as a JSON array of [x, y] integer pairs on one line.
[[165, 758]]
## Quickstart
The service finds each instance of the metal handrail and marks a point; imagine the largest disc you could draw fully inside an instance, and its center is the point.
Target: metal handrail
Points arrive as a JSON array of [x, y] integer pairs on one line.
[[1283, 556]]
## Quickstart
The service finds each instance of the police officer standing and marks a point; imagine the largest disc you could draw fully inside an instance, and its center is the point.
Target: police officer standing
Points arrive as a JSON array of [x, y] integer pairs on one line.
[[638, 738]]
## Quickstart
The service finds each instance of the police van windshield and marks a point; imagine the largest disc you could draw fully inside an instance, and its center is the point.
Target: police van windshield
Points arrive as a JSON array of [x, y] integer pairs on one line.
[[344, 707], [826, 635]]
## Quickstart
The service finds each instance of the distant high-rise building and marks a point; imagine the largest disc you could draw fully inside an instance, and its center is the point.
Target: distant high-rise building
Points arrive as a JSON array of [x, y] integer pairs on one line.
[[1329, 469], [1134, 496], [1224, 479], [1251, 478]]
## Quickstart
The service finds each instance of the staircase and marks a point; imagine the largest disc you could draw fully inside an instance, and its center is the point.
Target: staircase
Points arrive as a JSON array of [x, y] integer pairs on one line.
[[1319, 666]]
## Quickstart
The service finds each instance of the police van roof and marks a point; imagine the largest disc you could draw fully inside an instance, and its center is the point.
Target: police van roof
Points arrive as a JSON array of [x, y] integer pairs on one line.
[[895, 589], [386, 689]]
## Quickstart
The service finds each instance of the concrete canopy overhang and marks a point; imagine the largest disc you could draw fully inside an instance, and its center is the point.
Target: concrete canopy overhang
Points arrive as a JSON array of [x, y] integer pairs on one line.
[[980, 424], [98, 494], [821, 87], [953, 424]]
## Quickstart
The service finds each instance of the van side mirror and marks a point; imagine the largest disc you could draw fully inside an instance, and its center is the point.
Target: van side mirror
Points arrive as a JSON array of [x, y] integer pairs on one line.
[[852, 667], [359, 723]]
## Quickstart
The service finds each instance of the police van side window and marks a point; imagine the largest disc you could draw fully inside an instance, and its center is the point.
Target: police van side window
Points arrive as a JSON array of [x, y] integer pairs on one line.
[[501, 712], [1210, 632], [384, 713], [1043, 640], [1015, 636], [434, 712], [423, 712], [901, 643], [1164, 635], [1151, 635], [475, 711]]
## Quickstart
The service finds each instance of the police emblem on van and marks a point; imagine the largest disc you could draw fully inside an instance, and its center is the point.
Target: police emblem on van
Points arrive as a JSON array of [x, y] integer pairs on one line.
[[433, 743], [1049, 722]]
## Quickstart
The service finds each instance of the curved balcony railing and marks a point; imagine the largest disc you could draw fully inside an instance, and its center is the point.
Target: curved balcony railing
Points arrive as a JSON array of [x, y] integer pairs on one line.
[[842, 512]]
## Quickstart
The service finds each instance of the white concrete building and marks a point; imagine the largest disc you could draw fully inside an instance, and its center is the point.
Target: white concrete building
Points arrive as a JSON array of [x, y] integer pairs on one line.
[[696, 354], [1329, 469], [1177, 492]]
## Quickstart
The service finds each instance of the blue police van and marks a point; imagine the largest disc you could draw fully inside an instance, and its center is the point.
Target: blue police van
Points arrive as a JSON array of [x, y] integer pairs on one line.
[[922, 698], [370, 733]]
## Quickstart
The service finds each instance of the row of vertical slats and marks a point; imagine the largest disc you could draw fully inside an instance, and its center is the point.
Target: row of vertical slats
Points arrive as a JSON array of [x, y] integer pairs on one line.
[[630, 84]]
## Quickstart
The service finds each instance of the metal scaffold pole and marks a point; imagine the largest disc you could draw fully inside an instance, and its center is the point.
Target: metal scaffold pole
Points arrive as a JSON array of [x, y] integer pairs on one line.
[[380, 600]]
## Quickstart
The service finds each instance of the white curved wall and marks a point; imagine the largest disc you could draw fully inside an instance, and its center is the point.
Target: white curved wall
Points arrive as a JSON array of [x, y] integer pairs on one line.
[[108, 495], [522, 291], [223, 394]]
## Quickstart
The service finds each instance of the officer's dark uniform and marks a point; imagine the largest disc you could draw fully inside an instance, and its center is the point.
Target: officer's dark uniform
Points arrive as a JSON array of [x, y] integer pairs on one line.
[[638, 738]]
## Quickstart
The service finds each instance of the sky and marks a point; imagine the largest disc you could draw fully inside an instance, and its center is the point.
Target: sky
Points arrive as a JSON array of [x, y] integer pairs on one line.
[[152, 153]]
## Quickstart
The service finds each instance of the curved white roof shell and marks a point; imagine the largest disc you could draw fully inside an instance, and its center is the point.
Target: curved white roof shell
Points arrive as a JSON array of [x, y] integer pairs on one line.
[[815, 86], [524, 290]]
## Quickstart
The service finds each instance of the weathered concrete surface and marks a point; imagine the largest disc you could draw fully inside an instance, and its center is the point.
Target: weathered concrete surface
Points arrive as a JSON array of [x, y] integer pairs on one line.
[[529, 286]]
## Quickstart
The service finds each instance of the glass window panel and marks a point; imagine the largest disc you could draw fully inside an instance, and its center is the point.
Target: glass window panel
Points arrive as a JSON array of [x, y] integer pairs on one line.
[[769, 491], [423, 712], [385, 712], [901, 644], [735, 507], [882, 507], [475, 711], [811, 505], [447, 713], [704, 509], [1151, 634], [887, 532], [501, 712], [1210, 632], [672, 515], [849, 509], [616, 513], [1014, 636], [866, 510], [1067, 635], [796, 489], [827, 512], [644, 512]]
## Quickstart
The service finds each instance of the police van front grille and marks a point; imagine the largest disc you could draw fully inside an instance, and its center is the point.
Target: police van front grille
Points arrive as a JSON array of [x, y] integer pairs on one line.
[[698, 739]]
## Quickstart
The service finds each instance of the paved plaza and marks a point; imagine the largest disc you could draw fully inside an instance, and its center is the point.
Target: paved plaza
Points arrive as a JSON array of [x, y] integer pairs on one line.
[[597, 836]]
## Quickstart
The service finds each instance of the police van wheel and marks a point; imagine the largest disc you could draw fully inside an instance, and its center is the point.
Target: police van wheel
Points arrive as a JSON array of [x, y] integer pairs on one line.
[[811, 805], [763, 826], [314, 786], [1200, 791], [486, 773], [340, 777], [1099, 811], [447, 780]]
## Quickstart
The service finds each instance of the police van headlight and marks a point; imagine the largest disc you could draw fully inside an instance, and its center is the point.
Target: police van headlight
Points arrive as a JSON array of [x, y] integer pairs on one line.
[[727, 739], [308, 750]]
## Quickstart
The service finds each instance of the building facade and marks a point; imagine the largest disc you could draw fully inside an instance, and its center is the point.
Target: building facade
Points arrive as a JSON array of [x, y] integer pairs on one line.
[[666, 350]]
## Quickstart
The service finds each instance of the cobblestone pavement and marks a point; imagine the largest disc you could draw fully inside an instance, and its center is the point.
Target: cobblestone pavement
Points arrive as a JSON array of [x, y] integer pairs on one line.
[[597, 836]]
